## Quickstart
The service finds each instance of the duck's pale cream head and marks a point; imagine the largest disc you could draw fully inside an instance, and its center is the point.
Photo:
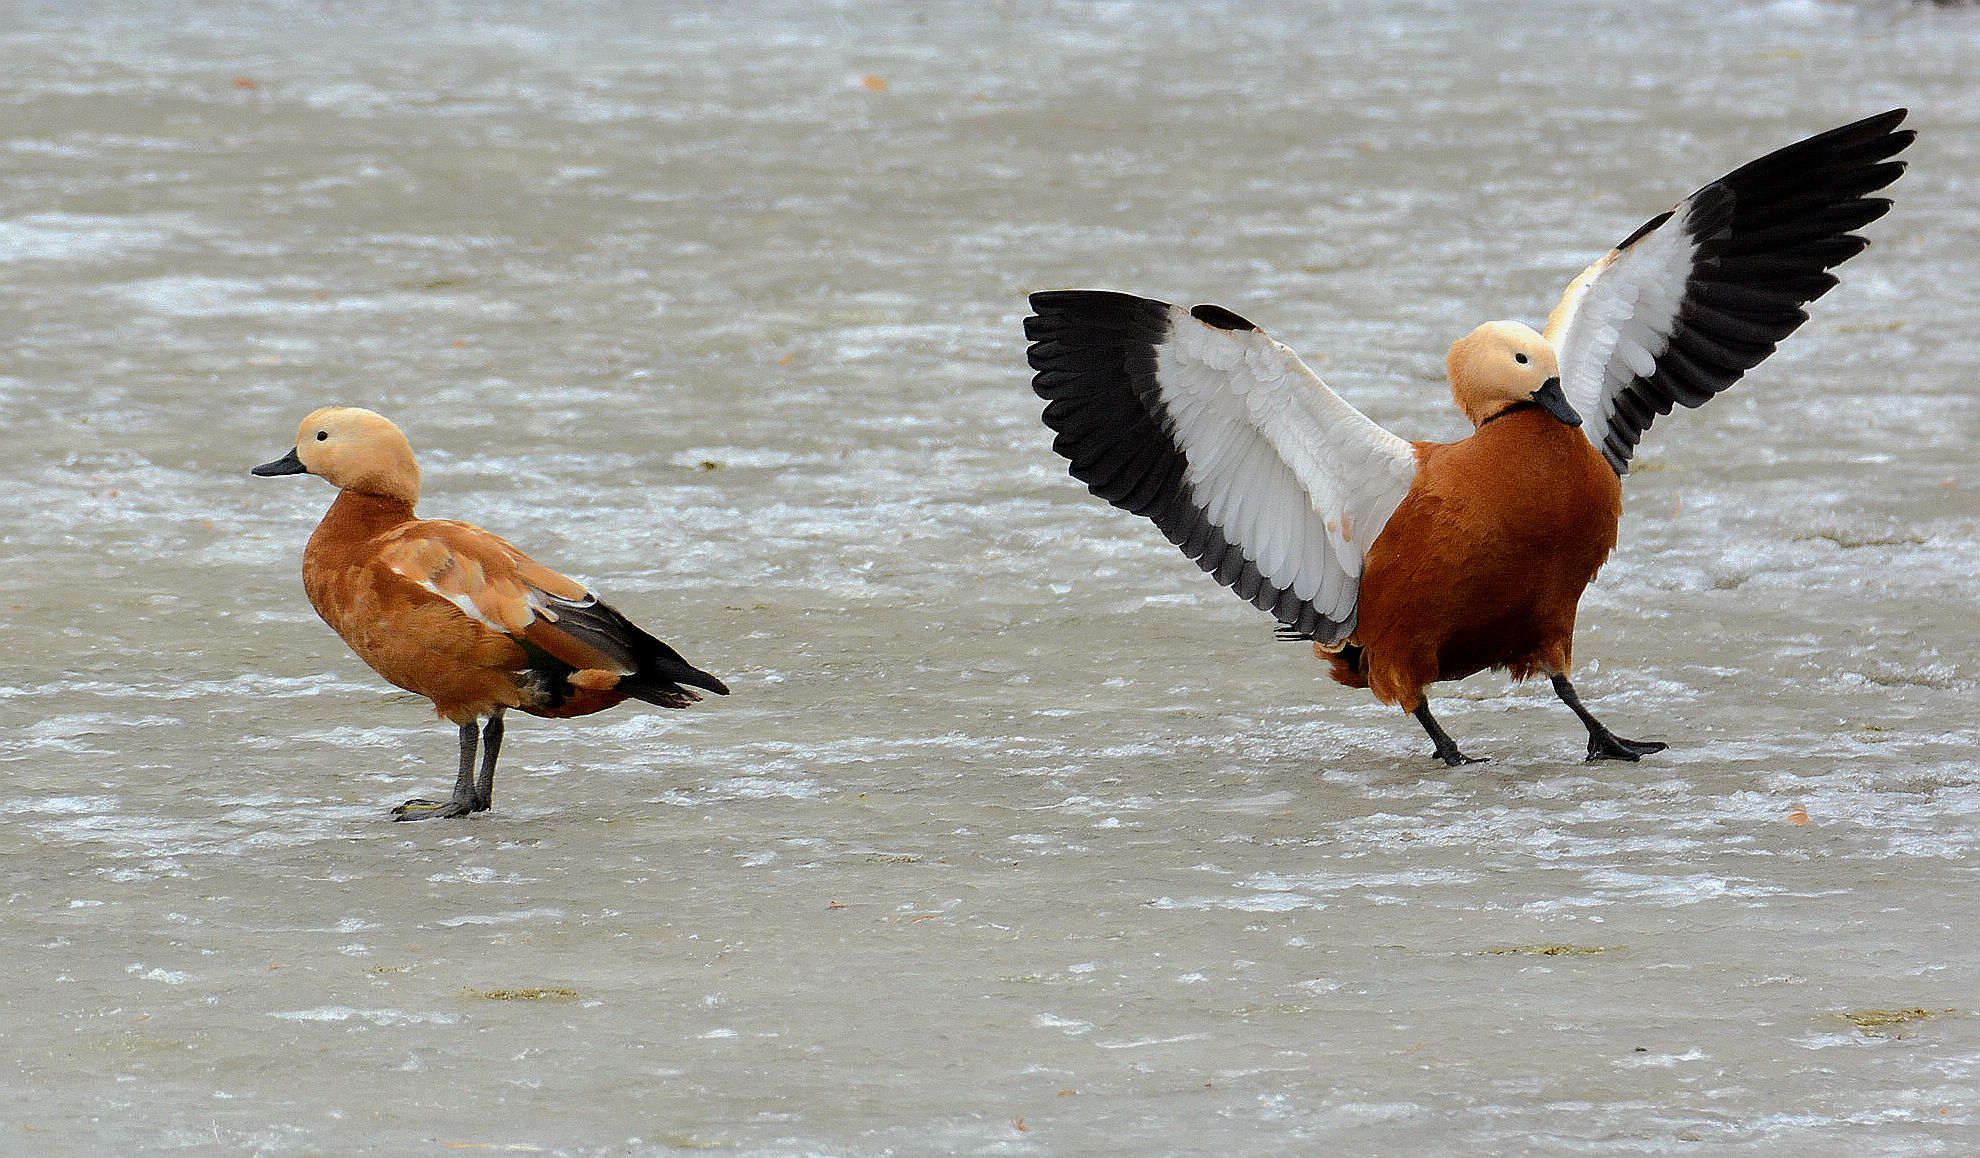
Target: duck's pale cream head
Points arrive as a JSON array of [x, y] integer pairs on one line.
[[353, 449], [1501, 365]]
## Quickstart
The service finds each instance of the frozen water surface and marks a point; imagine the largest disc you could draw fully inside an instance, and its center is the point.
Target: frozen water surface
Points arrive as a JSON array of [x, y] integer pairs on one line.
[[1018, 836]]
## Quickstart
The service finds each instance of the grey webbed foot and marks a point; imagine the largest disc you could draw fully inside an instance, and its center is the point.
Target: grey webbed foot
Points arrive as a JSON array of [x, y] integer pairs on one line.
[[420, 808], [1602, 743], [1608, 746]]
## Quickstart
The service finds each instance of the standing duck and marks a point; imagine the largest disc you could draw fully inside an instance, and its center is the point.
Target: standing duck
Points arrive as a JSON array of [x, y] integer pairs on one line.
[[1409, 563], [456, 614]]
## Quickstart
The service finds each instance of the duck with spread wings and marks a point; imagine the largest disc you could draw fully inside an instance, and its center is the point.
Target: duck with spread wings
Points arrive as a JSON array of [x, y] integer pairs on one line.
[[1410, 563]]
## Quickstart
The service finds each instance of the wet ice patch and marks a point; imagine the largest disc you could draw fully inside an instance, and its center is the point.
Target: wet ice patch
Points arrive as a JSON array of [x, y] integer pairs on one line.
[[1664, 1060], [1274, 903], [514, 918], [69, 806], [73, 733], [163, 976], [1070, 1026], [1687, 889], [480, 875], [73, 238], [192, 296], [766, 788], [1145, 1042], [1276, 893], [378, 1017], [353, 737]]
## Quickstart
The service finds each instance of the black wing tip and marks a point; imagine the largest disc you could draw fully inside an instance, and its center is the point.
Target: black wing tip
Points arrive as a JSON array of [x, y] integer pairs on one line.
[[1221, 318], [1881, 128], [1840, 150], [1649, 226], [1087, 318], [1077, 334], [1883, 122], [1065, 301], [1769, 233]]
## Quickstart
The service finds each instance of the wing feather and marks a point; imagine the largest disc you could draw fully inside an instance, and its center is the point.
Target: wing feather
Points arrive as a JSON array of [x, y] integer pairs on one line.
[[1236, 450], [1696, 297], [497, 586]]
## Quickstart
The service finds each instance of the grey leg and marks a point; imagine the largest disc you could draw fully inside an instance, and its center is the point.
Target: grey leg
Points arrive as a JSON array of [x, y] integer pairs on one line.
[[1447, 749], [462, 802], [1602, 743], [491, 746]]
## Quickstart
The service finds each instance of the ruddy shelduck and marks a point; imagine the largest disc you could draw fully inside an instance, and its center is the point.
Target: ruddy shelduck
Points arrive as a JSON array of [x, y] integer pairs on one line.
[[1409, 563], [456, 614]]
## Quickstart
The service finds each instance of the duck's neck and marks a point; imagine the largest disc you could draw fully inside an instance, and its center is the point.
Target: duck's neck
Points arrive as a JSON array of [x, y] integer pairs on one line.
[[1515, 408], [357, 517]]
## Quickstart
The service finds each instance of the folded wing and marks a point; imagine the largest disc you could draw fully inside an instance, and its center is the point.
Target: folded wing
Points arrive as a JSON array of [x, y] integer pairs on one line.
[[1699, 295], [551, 615], [1237, 451]]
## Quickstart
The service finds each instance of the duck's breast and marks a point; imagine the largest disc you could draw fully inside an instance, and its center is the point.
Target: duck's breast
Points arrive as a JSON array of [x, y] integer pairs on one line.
[[416, 639], [1487, 557]]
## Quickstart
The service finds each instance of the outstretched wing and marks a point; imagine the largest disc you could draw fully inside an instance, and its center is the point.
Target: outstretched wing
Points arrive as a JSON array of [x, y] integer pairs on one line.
[[1698, 296], [497, 586], [1239, 453]]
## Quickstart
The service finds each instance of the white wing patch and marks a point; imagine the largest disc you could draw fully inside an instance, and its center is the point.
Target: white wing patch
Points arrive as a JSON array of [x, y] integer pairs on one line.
[[1297, 480], [540, 604], [462, 600], [1617, 318]]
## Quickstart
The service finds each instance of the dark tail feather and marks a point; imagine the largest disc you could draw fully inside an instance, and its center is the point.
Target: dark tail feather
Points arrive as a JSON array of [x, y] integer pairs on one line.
[[666, 695], [657, 689], [660, 670], [660, 664], [661, 673]]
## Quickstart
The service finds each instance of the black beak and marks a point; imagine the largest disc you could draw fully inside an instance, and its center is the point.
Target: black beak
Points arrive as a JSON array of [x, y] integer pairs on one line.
[[287, 464], [1551, 400]]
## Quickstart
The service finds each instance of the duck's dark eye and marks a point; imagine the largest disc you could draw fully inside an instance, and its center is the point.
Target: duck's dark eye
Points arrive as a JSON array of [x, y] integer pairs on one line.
[[1520, 358], [324, 435]]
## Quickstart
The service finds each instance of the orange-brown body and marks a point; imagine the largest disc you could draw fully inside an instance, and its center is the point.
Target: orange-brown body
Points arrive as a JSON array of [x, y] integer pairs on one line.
[[1484, 563], [455, 614], [1410, 563], [424, 642]]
